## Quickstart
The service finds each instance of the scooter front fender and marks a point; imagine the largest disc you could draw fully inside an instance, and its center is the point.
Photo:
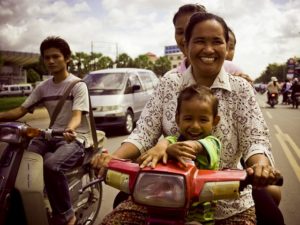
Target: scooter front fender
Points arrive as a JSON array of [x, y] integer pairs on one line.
[[30, 184]]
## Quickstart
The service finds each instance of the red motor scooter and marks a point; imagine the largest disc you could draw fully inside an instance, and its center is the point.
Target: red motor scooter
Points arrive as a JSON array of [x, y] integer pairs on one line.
[[169, 190]]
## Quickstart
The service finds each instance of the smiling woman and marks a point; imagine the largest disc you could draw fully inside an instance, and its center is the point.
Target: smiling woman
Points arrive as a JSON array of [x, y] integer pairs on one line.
[[206, 42]]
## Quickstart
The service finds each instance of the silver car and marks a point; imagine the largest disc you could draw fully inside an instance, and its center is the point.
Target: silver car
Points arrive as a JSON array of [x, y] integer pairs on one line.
[[119, 95]]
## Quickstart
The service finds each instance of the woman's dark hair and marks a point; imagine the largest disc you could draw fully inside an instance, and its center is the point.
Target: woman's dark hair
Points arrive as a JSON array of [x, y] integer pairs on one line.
[[56, 42], [188, 8], [202, 93], [200, 17], [230, 31]]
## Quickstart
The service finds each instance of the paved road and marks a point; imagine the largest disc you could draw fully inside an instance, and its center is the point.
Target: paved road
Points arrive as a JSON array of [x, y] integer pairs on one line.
[[284, 128], [284, 125]]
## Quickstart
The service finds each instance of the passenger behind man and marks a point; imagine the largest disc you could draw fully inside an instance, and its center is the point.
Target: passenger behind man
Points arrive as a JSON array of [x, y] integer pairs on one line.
[[196, 116]]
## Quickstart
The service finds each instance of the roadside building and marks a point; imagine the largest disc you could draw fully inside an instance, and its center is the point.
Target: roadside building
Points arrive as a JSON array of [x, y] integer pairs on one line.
[[11, 70], [173, 53]]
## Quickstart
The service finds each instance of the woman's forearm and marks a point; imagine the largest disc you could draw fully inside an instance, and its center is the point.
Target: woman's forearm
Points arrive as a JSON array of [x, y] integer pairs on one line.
[[258, 159], [127, 151]]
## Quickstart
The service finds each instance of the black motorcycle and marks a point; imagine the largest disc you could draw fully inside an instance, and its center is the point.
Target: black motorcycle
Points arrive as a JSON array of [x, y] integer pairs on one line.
[[273, 99], [23, 199]]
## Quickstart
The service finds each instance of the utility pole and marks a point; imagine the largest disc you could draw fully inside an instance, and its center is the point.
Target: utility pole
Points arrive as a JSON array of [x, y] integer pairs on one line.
[[109, 43]]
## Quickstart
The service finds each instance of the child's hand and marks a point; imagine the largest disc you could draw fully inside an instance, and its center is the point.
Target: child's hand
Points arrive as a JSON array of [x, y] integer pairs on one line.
[[183, 150], [154, 155]]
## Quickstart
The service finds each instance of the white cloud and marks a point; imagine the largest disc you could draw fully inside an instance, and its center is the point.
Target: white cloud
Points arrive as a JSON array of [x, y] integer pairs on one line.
[[266, 32]]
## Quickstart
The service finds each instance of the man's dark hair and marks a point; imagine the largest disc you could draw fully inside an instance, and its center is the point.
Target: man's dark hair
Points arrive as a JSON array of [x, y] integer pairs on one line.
[[188, 8], [200, 17], [56, 42], [202, 93]]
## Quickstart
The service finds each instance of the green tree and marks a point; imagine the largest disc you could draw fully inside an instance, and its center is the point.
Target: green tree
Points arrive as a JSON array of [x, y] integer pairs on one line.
[[105, 62], [80, 64], [94, 59], [32, 76], [272, 70], [142, 61], [124, 61], [38, 67], [161, 66]]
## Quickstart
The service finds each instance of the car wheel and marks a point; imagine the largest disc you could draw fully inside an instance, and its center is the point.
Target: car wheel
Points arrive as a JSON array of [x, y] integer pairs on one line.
[[129, 123]]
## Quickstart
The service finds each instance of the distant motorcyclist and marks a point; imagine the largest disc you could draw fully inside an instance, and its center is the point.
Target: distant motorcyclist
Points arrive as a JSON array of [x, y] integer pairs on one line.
[[273, 87], [285, 90], [295, 92]]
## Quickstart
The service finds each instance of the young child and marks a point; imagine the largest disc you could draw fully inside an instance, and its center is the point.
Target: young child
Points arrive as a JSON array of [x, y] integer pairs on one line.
[[196, 116]]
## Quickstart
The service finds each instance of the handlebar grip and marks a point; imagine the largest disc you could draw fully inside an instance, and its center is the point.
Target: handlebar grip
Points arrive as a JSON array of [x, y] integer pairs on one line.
[[57, 132], [249, 180]]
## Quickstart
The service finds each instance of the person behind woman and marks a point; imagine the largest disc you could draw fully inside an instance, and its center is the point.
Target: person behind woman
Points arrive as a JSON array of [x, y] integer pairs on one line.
[[242, 130], [231, 45], [180, 20]]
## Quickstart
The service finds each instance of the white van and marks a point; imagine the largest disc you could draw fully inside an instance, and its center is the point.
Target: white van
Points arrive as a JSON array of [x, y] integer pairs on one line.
[[119, 95], [15, 89]]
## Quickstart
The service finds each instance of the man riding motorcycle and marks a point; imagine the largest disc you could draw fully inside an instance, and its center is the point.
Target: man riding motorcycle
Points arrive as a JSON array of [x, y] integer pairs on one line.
[[295, 92], [273, 88]]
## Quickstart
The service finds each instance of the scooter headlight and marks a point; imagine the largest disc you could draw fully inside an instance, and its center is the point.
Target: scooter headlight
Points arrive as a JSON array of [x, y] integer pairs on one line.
[[15, 132], [10, 134], [161, 190]]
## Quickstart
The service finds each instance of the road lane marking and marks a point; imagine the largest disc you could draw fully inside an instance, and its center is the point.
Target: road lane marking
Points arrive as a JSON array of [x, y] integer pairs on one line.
[[269, 115], [293, 145], [283, 140]]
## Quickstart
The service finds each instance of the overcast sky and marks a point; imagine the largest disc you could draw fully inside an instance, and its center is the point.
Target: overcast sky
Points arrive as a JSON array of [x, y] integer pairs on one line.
[[267, 31]]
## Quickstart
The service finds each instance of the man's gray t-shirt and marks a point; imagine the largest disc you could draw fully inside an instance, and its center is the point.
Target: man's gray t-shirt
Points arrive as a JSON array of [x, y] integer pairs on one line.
[[48, 94]]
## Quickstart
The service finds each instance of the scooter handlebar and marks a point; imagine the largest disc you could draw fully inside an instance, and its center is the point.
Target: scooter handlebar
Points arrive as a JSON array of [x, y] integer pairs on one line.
[[249, 180]]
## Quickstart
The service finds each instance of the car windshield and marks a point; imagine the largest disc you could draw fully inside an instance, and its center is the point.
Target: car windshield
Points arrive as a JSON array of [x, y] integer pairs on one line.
[[105, 81]]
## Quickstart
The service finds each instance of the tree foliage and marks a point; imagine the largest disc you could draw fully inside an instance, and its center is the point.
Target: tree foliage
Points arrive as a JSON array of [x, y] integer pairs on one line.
[[278, 70], [32, 76], [161, 66], [273, 70], [38, 67], [124, 61], [142, 61]]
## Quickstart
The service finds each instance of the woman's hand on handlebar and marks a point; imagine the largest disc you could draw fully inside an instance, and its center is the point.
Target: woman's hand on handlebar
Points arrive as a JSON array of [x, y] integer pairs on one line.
[[263, 175]]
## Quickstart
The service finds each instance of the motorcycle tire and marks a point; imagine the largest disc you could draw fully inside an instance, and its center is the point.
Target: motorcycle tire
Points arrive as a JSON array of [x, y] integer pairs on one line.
[[87, 205]]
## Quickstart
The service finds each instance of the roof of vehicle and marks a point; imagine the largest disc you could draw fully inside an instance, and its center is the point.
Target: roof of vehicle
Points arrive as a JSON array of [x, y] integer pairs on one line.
[[119, 70], [12, 85]]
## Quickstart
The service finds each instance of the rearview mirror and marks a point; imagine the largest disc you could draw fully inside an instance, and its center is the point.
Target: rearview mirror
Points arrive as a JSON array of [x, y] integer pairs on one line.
[[136, 87]]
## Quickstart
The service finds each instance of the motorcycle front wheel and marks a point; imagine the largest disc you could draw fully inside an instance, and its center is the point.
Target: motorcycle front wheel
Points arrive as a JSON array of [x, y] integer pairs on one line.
[[86, 205]]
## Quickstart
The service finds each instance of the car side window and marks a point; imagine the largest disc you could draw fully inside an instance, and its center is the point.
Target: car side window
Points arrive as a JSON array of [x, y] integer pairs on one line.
[[148, 80], [133, 80]]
